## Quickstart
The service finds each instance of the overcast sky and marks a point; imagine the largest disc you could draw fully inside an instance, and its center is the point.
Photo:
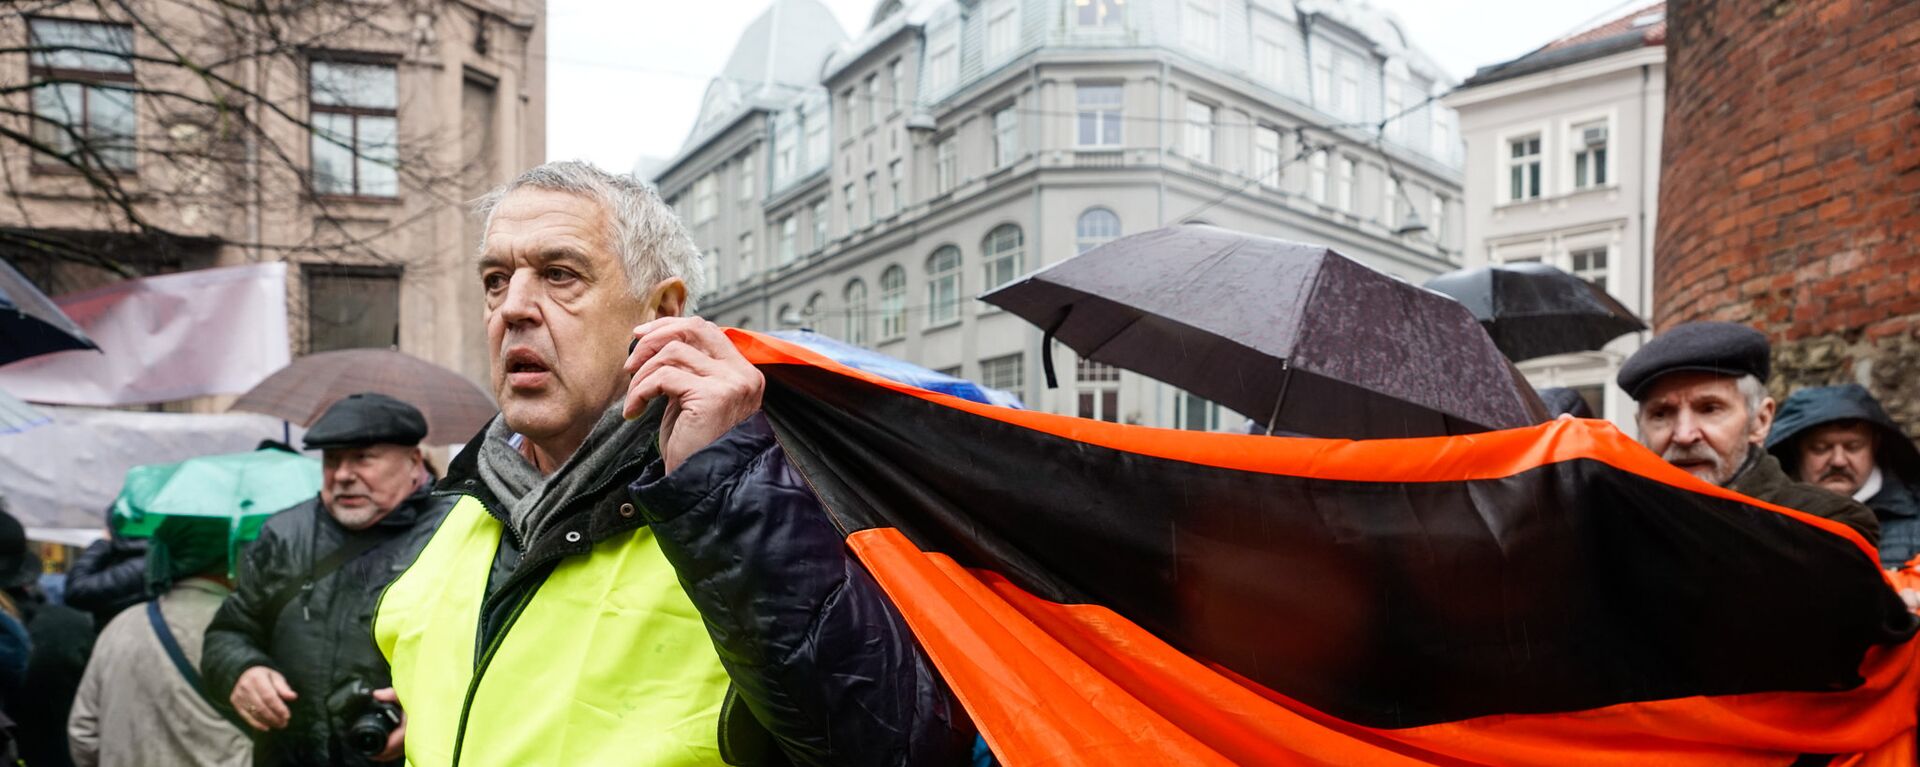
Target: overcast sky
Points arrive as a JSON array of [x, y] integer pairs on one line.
[[624, 78]]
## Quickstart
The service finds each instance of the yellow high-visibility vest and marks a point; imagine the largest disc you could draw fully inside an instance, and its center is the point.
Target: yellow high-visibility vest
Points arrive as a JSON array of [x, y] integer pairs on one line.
[[606, 662]]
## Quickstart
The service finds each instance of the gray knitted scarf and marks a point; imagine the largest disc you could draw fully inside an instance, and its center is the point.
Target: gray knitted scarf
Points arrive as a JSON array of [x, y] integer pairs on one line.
[[532, 501]]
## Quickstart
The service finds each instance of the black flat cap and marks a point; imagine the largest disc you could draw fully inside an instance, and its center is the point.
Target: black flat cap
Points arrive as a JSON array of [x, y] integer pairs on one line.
[[1726, 348], [366, 419]]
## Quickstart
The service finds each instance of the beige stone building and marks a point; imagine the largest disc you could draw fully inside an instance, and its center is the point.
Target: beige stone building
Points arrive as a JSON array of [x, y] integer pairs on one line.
[[1563, 166], [871, 187], [345, 139]]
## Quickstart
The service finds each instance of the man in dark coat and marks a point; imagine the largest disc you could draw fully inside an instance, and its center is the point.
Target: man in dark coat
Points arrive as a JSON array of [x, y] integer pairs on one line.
[[59, 637], [293, 645], [1704, 408], [1838, 437], [109, 576]]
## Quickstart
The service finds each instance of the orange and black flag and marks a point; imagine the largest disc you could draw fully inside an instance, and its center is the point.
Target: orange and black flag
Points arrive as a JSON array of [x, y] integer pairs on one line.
[[1101, 594]]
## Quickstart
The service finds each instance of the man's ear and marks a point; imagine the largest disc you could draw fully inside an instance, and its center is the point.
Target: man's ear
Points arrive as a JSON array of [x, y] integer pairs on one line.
[[1763, 421], [667, 298]]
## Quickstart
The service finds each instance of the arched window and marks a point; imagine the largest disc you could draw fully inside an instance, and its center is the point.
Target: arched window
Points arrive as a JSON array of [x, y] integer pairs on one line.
[[856, 296], [785, 318], [810, 316], [893, 303], [745, 323], [1003, 251], [1098, 226], [943, 286]]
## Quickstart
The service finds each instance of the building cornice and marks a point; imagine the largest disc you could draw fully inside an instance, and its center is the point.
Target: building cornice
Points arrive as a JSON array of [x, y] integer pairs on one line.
[[1556, 77]]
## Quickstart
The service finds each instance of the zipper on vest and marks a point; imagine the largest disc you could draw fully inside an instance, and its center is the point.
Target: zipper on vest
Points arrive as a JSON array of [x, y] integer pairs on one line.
[[466, 706]]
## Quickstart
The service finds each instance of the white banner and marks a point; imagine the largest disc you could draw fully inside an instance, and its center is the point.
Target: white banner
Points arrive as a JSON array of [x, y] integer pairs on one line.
[[171, 337]]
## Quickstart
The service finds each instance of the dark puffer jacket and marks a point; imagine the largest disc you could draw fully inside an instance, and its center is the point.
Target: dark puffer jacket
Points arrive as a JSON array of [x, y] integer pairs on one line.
[[1896, 504], [110, 576], [322, 639]]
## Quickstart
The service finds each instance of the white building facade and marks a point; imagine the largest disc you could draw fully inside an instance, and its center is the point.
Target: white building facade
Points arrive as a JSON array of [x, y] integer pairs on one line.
[[955, 146], [1563, 166]]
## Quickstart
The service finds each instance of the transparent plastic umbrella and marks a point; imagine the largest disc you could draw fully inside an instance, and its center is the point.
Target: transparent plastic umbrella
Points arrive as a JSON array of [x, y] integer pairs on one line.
[[242, 488]]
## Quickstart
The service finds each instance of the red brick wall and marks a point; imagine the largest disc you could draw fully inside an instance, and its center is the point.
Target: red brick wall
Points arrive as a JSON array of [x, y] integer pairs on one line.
[[1790, 187]]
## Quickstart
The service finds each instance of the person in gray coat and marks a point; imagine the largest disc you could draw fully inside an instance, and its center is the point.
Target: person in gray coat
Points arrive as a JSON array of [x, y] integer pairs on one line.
[[1838, 437]]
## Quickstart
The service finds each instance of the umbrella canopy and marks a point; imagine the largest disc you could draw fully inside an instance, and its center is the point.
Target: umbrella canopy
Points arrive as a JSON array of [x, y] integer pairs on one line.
[[1295, 336], [30, 323], [897, 369], [17, 416], [1535, 310], [454, 406], [242, 489]]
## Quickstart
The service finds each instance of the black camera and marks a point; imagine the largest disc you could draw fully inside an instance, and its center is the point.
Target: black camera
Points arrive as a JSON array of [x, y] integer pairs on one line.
[[373, 723]]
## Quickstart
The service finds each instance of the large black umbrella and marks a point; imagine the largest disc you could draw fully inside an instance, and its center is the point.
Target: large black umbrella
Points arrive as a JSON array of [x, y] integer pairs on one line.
[[1534, 310], [30, 323], [1294, 336]]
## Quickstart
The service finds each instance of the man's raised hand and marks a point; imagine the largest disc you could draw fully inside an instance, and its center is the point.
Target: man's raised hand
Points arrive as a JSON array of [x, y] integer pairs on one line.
[[710, 388]]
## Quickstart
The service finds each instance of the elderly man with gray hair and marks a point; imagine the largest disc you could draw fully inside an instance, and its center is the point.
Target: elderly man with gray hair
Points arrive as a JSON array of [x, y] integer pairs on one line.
[[633, 573], [1704, 408]]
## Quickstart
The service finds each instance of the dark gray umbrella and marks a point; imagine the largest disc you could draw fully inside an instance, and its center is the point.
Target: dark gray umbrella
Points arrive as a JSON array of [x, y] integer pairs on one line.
[[1535, 310], [30, 323], [1295, 336]]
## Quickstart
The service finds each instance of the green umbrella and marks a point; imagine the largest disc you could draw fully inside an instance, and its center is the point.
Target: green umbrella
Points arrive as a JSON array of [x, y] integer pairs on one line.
[[241, 489]]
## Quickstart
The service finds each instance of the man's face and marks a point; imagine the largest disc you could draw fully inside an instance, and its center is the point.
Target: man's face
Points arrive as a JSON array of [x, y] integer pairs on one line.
[[1837, 456], [560, 312], [360, 485], [1700, 423]]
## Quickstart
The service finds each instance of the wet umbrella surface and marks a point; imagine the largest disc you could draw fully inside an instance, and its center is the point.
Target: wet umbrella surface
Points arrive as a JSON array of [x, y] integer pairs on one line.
[[1535, 310], [1292, 335], [455, 407], [30, 323]]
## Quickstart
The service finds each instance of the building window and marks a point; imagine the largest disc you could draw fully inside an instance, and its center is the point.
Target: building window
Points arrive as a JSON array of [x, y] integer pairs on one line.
[[943, 286], [746, 257], [821, 220], [1438, 222], [873, 197], [789, 234], [1005, 373], [1200, 131], [1523, 168], [351, 307], [897, 84], [849, 109], [355, 129], [1006, 137], [944, 165], [1097, 14], [1343, 184], [1099, 115], [1590, 155], [873, 99], [894, 181], [1194, 413], [746, 177], [704, 202], [1390, 203], [1347, 88], [1098, 390], [88, 116], [1266, 155], [816, 127], [1003, 28], [856, 295], [1003, 254], [785, 318], [893, 303], [1200, 24], [846, 193], [1396, 103], [1317, 177], [710, 270], [943, 61], [785, 153], [1322, 77], [1098, 226], [810, 314], [1590, 264], [1269, 61]]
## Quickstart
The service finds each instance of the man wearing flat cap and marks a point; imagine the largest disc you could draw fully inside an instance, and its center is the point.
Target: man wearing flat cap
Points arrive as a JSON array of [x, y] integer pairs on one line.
[[1704, 408], [292, 650]]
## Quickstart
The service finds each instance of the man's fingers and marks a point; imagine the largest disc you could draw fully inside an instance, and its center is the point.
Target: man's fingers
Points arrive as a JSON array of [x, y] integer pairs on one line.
[[692, 331], [665, 380], [280, 686], [680, 355]]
